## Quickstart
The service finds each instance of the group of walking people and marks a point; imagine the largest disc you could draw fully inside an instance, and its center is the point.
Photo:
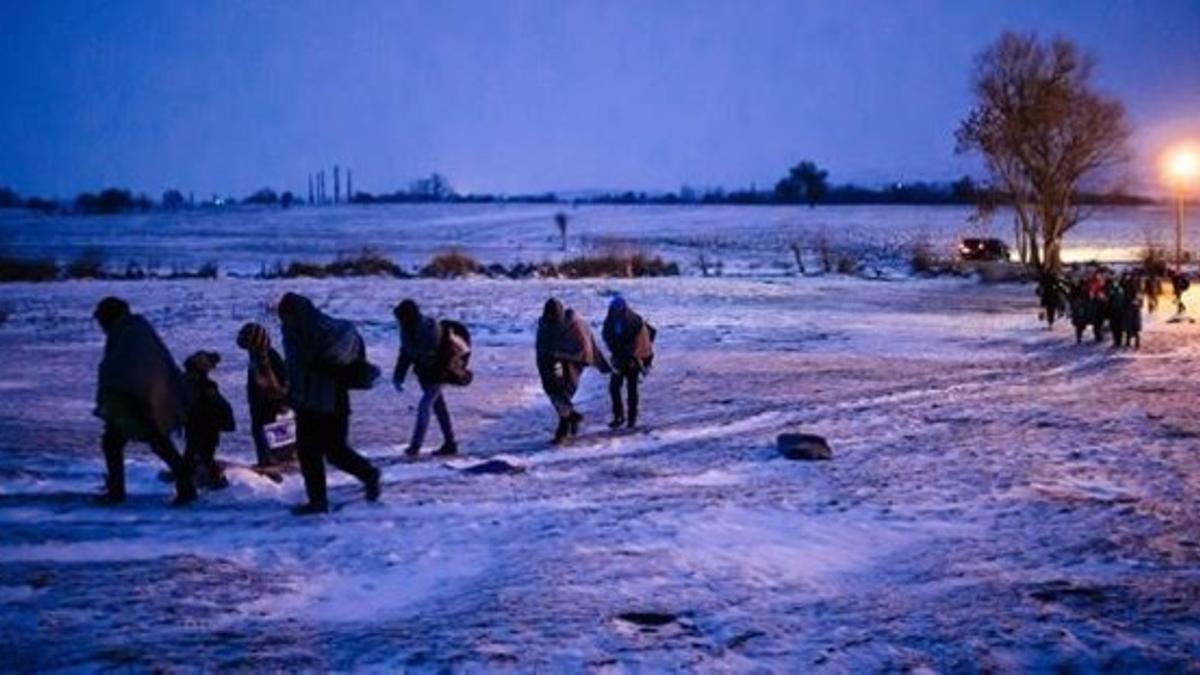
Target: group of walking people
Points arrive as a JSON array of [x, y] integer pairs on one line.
[[1107, 302], [143, 395]]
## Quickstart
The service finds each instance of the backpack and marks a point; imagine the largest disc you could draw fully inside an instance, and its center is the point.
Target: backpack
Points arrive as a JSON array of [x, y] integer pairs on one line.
[[455, 354], [357, 372]]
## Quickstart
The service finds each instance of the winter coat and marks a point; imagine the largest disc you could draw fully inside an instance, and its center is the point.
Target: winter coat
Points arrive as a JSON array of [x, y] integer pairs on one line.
[[1116, 309], [566, 336], [1082, 308], [209, 414], [1132, 315], [266, 384], [420, 349], [316, 348], [629, 338], [140, 388]]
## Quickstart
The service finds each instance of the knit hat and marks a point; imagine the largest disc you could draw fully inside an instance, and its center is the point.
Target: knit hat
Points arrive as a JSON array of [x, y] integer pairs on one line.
[[618, 303], [253, 337], [201, 362]]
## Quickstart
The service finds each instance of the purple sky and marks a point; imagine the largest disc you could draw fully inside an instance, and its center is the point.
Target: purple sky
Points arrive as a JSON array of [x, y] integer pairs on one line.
[[524, 96]]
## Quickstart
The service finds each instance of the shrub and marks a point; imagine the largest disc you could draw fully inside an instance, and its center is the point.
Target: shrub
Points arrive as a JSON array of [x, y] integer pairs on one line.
[[18, 269], [89, 265], [452, 264], [847, 263], [368, 263], [617, 265], [208, 270], [299, 268]]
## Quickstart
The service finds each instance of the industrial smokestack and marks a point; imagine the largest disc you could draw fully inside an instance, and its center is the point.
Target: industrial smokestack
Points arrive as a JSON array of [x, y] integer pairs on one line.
[[337, 184], [349, 186]]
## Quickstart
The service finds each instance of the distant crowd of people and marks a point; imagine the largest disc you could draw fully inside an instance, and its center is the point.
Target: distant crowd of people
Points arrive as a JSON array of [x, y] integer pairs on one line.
[[1105, 301], [143, 396]]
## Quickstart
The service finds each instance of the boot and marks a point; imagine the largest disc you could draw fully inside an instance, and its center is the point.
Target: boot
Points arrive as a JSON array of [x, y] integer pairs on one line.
[[371, 487], [448, 449], [185, 493], [310, 509], [632, 420], [109, 498], [564, 428], [574, 422], [412, 452], [617, 422]]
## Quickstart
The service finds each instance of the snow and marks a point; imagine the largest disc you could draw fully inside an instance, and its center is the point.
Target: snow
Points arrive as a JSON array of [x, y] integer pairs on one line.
[[752, 240], [999, 497]]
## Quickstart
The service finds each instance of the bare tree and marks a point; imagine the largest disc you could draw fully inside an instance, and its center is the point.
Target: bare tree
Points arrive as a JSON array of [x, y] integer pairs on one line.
[[1045, 136]]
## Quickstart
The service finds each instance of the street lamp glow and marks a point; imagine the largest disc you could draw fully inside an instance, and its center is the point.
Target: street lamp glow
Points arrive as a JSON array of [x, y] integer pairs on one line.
[[1182, 164]]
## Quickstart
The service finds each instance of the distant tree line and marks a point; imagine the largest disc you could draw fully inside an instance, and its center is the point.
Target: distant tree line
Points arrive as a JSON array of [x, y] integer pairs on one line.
[[805, 183]]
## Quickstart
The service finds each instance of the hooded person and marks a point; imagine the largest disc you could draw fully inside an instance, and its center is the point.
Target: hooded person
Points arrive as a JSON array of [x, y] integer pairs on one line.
[[266, 391], [630, 340], [208, 415], [1081, 309], [1116, 311], [141, 396], [318, 351], [1132, 319], [565, 346], [421, 348]]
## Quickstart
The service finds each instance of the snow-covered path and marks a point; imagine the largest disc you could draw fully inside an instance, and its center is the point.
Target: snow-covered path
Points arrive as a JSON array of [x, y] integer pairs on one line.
[[999, 498]]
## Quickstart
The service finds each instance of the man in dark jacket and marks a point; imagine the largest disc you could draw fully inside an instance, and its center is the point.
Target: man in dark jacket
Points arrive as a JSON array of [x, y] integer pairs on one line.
[[317, 348], [266, 391], [140, 396], [565, 346], [631, 341], [421, 339]]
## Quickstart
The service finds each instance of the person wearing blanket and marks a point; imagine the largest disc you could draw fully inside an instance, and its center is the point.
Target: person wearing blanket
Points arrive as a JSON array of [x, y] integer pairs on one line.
[[324, 358], [140, 395], [565, 347]]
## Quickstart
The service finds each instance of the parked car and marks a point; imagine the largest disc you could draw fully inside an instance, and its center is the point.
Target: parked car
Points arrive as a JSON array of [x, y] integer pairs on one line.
[[971, 248]]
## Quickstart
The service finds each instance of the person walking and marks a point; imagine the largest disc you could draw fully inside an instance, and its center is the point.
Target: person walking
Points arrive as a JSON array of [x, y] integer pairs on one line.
[[1081, 309], [430, 348], [1132, 321], [208, 416], [324, 357], [141, 397], [1179, 285], [565, 347], [630, 341], [266, 392], [1115, 309]]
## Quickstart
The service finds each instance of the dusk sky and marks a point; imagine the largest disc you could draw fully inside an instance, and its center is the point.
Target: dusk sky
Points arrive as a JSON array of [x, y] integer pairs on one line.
[[528, 96]]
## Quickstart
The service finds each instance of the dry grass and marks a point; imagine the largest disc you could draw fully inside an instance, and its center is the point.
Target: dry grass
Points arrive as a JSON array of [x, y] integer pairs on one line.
[[452, 264]]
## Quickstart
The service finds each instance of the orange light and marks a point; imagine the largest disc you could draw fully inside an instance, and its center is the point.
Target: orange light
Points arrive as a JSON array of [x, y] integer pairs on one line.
[[1181, 164]]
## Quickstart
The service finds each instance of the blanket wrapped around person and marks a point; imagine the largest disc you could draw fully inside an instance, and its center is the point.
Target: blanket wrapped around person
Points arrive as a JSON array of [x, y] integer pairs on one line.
[[140, 389]]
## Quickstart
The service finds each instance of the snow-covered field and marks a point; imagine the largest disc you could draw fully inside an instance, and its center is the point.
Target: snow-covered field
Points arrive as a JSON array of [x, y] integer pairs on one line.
[[999, 499], [752, 240]]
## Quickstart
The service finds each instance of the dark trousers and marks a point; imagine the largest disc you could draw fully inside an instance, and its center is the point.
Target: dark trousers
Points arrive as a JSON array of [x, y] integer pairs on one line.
[[321, 437], [200, 456], [560, 385], [113, 443], [629, 380]]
